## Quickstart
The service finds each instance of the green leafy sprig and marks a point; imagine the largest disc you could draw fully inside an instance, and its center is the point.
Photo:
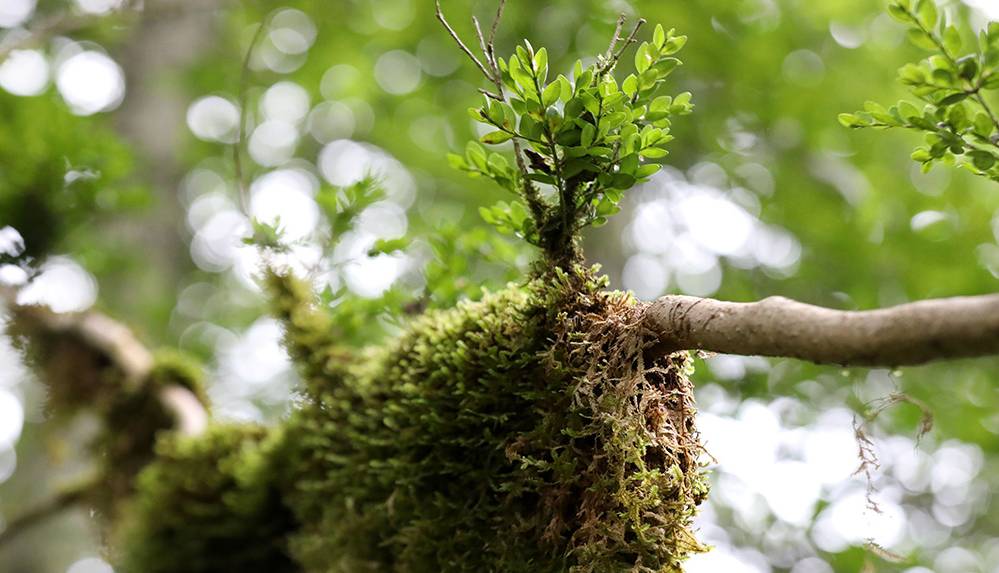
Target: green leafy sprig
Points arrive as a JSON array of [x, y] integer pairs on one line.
[[588, 137], [956, 117]]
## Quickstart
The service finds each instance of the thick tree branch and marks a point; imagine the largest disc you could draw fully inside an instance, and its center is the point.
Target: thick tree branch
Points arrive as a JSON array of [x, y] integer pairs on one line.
[[902, 335]]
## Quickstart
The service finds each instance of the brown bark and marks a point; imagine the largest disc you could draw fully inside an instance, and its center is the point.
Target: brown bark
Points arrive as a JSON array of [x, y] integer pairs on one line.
[[907, 334]]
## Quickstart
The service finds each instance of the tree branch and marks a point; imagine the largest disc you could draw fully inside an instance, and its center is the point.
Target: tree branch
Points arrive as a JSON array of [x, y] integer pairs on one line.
[[907, 334], [117, 346], [62, 501], [461, 45]]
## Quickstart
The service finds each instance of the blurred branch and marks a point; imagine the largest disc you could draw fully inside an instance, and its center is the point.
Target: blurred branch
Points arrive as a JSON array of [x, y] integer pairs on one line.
[[53, 25], [907, 334], [237, 147], [113, 344], [64, 500]]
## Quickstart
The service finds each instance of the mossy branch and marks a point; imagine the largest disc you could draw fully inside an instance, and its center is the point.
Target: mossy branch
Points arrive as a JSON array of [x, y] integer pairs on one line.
[[110, 343]]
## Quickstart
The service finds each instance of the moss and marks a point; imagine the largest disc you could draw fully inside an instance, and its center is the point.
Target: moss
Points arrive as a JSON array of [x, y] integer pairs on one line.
[[525, 433], [134, 418], [207, 505], [172, 366], [520, 433]]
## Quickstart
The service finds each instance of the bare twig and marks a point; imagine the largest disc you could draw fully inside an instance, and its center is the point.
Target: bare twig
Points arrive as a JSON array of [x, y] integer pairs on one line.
[[50, 508], [908, 334], [491, 95], [616, 37], [869, 463], [457, 39], [630, 40], [237, 147], [611, 58], [482, 41], [491, 42]]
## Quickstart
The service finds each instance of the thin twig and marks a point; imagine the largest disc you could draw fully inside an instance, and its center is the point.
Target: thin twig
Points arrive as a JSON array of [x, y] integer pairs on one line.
[[237, 147], [490, 43], [50, 508], [615, 37], [457, 39], [629, 41], [491, 95], [482, 40], [531, 195]]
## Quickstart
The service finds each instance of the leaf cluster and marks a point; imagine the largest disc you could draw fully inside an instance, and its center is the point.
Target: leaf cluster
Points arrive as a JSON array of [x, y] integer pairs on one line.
[[587, 138], [953, 84]]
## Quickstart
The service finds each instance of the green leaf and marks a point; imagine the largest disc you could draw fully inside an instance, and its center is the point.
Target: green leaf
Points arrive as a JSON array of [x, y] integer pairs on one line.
[[456, 161], [851, 120], [629, 164], [498, 164], [967, 67], [954, 98], [647, 170], [659, 37], [586, 138], [476, 155], [952, 39], [591, 104], [386, 246], [654, 152], [496, 137], [476, 114], [921, 39], [630, 85], [565, 88], [983, 160], [983, 124], [899, 13], [541, 60], [642, 58], [487, 215], [927, 12], [551, 93], [674, 45]]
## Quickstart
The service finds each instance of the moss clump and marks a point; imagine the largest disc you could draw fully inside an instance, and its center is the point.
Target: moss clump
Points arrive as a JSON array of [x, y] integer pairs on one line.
[[173, 367], [134, 418], [522, 433], [207, 504]]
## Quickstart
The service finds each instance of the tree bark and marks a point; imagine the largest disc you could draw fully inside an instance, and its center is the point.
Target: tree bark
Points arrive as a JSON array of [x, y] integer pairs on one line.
[[907, 334]]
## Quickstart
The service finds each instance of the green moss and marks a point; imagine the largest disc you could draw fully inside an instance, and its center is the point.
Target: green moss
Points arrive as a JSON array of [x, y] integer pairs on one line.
[[519, 433], [172, 366], [207, 505], [522, 433]]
